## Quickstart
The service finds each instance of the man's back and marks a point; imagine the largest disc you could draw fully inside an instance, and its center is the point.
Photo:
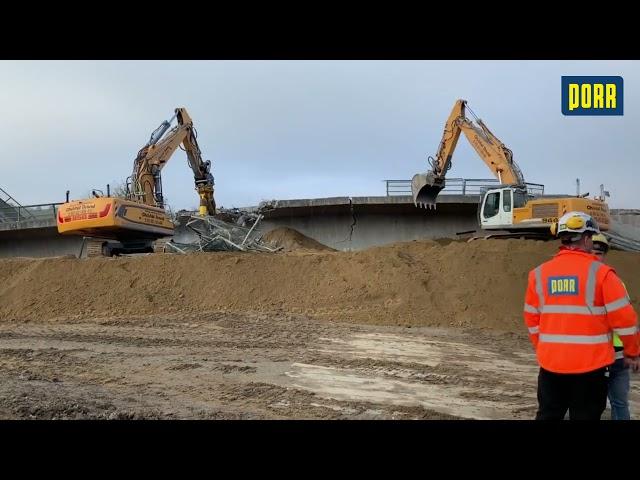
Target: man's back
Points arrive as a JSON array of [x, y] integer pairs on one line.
[[574, 336], [572, 306]]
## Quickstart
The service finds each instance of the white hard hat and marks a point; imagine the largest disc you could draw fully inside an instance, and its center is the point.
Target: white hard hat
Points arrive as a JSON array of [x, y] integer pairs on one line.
[[576, 222]]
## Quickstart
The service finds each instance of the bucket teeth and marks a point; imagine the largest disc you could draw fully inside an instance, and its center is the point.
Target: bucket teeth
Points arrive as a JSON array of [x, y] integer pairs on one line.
[[427, 206]]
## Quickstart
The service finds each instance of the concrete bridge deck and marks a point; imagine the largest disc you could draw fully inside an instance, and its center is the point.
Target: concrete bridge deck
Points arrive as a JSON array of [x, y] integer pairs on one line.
[[354, 223], [343, 223]]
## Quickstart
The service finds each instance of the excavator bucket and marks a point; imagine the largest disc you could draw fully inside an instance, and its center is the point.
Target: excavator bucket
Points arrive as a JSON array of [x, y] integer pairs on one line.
[[425, 189]]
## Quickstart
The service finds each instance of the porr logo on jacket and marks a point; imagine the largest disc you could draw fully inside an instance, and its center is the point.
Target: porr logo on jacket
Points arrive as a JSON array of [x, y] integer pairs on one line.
[[564, 285]]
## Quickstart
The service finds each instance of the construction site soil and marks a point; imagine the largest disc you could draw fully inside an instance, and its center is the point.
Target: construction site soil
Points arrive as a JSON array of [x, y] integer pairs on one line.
[[424, 329], [292, 240]]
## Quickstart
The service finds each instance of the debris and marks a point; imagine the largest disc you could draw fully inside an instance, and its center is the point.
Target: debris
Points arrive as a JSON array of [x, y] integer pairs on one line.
[[624, 237], [230, 230]]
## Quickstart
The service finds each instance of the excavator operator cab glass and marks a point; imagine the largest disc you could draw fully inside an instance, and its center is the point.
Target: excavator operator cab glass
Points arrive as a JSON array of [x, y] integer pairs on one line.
[[506, 200], [491, 205], [519, 198]]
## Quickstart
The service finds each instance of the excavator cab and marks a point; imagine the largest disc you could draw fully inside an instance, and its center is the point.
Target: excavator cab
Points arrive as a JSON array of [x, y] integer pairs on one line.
[[497, 208], [425, 188]]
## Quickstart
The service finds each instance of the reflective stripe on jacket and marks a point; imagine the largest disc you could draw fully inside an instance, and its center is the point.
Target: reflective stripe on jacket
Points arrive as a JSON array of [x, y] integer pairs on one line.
[[617, 343]]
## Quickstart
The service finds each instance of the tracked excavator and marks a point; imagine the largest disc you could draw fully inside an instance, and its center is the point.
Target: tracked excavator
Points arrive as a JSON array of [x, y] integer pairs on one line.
[[513, 208], [113, 225]]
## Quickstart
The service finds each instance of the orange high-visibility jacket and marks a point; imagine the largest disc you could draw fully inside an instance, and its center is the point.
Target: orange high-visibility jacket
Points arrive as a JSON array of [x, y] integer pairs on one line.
[[572, 305]]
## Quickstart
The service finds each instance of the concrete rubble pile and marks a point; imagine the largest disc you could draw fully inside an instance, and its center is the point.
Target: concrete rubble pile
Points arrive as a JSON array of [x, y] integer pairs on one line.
[[229, 230], [624, 237]]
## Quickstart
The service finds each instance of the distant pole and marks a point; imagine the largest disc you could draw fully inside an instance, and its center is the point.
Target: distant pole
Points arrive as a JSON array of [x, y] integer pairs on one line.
[[577, 187]]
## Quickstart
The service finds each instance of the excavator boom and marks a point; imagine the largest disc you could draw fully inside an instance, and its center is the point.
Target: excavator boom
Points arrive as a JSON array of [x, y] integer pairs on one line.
[[425, 187]]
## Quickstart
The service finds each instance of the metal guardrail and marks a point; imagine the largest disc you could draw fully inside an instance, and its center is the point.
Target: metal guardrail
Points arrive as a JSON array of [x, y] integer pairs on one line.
[[535, 189], [461, 186], [21, 213], [9, 207], [8, 199]]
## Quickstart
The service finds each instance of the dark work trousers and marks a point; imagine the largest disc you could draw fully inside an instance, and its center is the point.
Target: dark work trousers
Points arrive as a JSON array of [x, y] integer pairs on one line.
[[583, 394]]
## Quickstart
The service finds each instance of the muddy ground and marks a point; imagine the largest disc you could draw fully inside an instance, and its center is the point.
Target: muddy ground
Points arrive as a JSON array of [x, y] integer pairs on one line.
[[414, 330], [258, 366]]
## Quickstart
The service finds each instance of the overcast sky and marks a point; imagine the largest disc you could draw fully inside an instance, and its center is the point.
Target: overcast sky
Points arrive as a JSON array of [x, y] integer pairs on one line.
[[304, 129]]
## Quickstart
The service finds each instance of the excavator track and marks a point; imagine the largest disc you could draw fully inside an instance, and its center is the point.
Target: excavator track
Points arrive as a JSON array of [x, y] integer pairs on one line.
[[93, 248], [159, 246], [487, 234]]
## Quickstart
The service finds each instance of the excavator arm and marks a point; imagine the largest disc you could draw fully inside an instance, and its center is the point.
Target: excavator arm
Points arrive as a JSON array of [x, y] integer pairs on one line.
[[145, 181], [442, 163], [426, 187], [201, 171]]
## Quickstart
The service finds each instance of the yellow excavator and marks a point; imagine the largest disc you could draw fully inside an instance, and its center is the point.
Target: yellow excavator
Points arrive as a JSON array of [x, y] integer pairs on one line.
[[511, 209], [130, 225]]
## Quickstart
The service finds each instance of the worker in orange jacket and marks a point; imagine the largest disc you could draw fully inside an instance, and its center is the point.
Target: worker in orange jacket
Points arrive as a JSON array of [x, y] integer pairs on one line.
[[573, 305]]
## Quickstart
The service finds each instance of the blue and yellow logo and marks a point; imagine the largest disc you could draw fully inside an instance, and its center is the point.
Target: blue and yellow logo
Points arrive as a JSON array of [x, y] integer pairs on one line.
[[592, 95], [563, 285]]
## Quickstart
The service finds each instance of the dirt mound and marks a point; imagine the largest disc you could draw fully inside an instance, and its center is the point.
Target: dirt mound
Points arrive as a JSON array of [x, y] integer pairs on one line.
[[477, 284], [291, 240]]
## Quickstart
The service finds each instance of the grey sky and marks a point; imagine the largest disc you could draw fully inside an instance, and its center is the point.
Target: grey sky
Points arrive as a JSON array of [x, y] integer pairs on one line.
[[300, 129]]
